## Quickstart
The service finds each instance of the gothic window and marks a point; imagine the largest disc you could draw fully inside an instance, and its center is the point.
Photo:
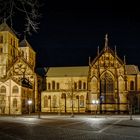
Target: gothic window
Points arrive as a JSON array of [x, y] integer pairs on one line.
[[49, 86], [1, 39], [81, 101], [107, 89], [53, 84], [3, 89], [84, 85], [45, 101], [57, 85], [80, 85], [14, 102], [75, 85], [54, 101], [15, 89], [131, 85]]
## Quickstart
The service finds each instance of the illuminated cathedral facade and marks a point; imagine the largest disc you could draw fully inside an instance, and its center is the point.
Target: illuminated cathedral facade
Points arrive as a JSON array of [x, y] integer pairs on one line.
[[107, 85], [18, 80]]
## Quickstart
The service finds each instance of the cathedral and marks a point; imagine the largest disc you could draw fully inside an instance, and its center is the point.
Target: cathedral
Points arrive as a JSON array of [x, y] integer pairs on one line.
[[106, 85], [18, 80]]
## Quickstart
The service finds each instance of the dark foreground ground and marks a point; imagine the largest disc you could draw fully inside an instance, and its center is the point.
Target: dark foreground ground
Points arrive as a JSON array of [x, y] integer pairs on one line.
[[62, 127]]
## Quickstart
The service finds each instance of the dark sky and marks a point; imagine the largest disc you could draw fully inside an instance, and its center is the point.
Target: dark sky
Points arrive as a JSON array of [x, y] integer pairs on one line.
[[71, 31]]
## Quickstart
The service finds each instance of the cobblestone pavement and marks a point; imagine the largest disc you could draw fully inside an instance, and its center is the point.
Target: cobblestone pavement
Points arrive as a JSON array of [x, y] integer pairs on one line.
[[54, 127]]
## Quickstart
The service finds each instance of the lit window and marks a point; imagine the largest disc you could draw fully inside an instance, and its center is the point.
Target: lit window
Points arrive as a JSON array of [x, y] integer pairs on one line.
[[45, 101], [54, 101], [1, 39], [53, 84], [81, 101], [84, 85], [131, 85], [3, 89], [80, 85], [57, 85], [15, 89]]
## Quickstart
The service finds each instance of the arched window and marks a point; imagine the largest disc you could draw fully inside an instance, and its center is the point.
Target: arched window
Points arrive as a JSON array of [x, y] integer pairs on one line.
[[45, 101], [131, 85], [49, 86], [75, 85], [57, 85], [84, 85], [53, 84], [14, 102], [80, 85], [54, 101], [15, 89], [81, 101], [107, 89], [3, 89]]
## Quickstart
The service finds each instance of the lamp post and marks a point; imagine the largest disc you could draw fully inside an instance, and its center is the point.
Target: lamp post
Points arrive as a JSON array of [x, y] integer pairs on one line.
[[29, 103], [95, 102]]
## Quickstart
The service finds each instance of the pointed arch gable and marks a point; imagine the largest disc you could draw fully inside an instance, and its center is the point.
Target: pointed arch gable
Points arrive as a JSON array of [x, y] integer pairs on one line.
[[107, 71]]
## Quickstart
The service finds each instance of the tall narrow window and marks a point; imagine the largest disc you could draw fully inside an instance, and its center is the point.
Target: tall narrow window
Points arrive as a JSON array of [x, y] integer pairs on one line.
[[107, 89], [131, 85], [81, 101], [45, 101], [14, 102], [54, 101], [57, 86], [84, 85], [49, 86], [53, 84], [80, 85], [3, 89], [15, 89], [1, 39]]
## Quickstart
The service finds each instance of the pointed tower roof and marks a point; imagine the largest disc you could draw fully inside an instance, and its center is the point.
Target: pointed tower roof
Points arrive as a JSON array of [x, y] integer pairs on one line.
[[25, 43], [5, 27]]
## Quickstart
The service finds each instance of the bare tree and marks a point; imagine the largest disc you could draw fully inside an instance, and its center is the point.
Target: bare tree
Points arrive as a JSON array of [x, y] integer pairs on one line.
[[71, 94], [29, 9]]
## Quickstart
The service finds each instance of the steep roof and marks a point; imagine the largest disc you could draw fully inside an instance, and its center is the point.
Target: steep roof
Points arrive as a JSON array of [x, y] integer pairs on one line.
[[67, 71], [25, 43], [132, 69], [5, 27]]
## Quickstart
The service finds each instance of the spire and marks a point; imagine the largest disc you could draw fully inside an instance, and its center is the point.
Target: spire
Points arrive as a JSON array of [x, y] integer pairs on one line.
[[115, 50], [124, 60], [98, 51], [89, 60], [106, 41]]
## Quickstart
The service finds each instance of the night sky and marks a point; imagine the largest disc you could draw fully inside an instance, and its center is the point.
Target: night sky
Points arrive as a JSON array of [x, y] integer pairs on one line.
[[71, 31]]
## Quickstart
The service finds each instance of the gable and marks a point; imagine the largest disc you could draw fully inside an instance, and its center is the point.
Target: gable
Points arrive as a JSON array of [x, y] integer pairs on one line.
[[107, 59]]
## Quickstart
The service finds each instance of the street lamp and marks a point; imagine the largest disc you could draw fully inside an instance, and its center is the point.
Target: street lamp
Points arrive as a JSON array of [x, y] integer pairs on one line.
[[29, 103], [95, 102]]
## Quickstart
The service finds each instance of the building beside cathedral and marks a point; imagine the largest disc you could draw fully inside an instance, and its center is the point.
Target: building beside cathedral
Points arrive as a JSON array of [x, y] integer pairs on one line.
[[107, 85], [18, 80]]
